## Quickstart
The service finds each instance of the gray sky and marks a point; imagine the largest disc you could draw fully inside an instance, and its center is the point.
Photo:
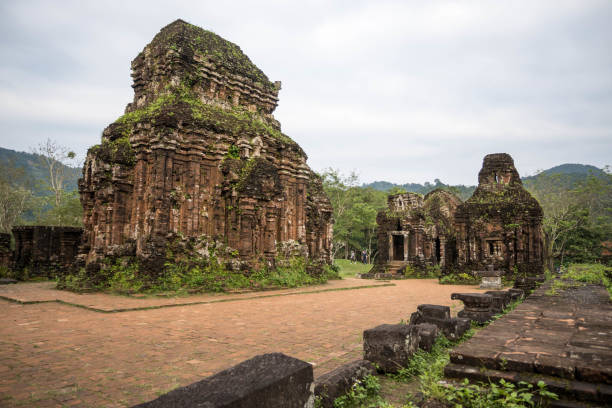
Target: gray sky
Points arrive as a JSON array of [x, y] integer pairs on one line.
[[403, 91]]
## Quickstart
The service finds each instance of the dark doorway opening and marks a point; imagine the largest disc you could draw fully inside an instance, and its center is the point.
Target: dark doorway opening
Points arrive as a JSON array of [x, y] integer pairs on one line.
[[398, 247], [438, 251]]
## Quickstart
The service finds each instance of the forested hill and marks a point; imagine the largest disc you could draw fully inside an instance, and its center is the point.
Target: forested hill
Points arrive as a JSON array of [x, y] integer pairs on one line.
[[572, 173], [32, 173]]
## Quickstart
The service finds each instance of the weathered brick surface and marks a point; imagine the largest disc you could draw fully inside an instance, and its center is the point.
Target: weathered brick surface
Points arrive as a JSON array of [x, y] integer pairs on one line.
[[564, 340], [44, 250], [199, 156]]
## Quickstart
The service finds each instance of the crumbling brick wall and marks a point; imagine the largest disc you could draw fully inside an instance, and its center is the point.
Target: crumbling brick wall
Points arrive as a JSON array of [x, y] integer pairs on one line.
[[5, 250], [45, 251]]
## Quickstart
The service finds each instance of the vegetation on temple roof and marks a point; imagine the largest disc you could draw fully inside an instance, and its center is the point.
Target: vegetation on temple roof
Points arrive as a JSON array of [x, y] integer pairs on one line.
[[181, 104], [188, 39]]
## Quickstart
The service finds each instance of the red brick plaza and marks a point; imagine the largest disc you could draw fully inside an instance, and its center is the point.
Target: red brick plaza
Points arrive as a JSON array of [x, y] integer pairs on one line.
[[99, 350]]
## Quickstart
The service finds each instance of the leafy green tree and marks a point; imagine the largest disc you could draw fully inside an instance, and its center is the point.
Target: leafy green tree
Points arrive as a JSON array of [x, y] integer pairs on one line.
[[15, 195], [61, 207], [355, 210], [577, 214]]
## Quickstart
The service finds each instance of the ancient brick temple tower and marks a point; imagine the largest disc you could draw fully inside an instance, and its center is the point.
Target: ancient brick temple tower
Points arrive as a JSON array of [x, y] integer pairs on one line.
[[198, 153], [500, 225]]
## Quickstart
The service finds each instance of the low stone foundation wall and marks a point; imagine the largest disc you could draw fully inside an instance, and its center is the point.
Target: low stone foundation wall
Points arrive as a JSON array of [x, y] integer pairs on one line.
[[43, 250], [564, 340]]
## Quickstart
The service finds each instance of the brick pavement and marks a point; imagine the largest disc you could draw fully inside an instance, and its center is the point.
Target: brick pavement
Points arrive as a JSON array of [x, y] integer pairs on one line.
[[54, 354]]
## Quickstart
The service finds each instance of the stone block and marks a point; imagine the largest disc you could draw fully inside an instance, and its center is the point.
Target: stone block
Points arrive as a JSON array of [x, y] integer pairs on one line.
[[479, 307], [435, 311], [452, 328], [338, 382], [267, 380], [502, 299], [390, 346], [428, 333], [515, 294], [491, 282]]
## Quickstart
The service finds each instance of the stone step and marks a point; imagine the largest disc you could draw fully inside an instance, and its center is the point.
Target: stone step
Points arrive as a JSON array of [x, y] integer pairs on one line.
[[571, 393]]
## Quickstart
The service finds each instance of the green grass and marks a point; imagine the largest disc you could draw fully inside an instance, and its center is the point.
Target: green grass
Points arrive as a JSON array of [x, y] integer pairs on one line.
[[348, 269], [583, 273]]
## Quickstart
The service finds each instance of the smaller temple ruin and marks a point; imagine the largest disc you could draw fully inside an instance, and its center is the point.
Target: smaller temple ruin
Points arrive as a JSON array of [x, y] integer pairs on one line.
[[416, 230], [43, 250], [499, 226]]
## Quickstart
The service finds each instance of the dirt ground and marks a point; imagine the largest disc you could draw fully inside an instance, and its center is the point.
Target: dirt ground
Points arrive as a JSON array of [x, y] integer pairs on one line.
[[91, 350]]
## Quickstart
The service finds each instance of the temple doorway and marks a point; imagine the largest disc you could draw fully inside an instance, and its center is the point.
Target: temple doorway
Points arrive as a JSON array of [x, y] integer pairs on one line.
[[398, 247], [438, 251]]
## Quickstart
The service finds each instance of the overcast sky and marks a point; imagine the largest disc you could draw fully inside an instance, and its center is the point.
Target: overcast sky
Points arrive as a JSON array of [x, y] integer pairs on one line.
[[403, 91]]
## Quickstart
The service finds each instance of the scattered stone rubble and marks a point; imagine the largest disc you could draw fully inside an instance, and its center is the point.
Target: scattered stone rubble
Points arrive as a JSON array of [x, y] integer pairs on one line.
[[499, 226], [198, 153]]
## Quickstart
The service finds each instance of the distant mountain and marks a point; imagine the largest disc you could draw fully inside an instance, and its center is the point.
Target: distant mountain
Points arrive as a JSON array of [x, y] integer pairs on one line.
[[35, 174], [571, 172], [464, 192]]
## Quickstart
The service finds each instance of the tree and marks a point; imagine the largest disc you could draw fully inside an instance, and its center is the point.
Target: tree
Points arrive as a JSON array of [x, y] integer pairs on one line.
[[355, 210], [55, 158], [577, 215], [15, 197], [62, 207]]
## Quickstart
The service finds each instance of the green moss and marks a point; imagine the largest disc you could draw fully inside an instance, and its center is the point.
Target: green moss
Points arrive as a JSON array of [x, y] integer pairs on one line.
[[118, 151], [188, 39], [181, 104]]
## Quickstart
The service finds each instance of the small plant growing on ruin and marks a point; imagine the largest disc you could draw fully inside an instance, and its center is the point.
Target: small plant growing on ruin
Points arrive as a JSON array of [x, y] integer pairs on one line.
[[363, 393]]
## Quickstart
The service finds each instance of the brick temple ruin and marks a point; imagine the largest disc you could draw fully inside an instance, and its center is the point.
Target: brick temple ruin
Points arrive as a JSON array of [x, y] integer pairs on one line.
[[500, 225], [44, 251], [199, 155]]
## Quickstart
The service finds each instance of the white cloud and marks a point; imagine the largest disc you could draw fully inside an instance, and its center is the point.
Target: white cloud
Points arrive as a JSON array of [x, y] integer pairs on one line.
[[398, 90]]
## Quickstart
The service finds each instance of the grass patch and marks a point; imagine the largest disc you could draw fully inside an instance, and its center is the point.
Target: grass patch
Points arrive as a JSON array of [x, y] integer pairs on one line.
[[349, 269], [577, 274], [429, 272], [188, 276]]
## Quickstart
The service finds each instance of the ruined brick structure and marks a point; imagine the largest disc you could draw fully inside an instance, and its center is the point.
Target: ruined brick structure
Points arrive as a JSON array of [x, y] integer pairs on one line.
[[45, 251], [5, 250], [416, 230], [500, 225], [198, 153]]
